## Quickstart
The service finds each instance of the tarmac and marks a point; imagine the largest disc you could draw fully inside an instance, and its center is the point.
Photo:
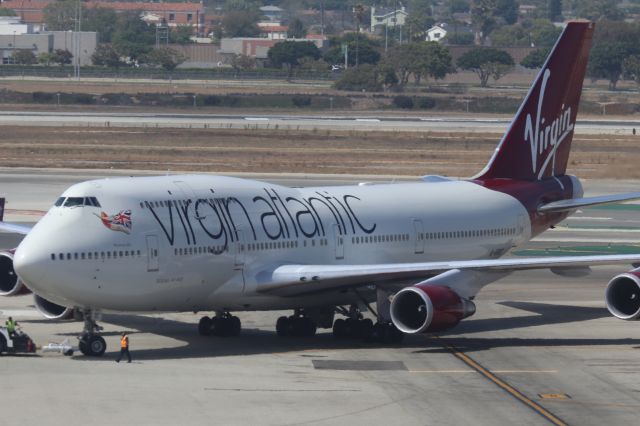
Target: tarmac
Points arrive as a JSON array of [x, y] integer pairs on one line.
[[541, 349]]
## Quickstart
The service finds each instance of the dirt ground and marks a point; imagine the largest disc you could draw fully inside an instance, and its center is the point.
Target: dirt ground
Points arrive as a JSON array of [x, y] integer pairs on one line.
[[277, 151]]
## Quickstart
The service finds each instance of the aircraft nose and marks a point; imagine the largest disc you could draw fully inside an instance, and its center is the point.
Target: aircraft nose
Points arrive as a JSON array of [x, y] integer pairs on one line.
[[30, 263]]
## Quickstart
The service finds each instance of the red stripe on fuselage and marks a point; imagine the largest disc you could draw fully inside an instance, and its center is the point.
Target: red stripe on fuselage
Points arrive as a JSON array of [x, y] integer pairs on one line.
[[532, 194]]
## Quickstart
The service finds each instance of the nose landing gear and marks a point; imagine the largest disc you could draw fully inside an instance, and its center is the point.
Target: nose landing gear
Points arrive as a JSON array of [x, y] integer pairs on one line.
[[90, 342]]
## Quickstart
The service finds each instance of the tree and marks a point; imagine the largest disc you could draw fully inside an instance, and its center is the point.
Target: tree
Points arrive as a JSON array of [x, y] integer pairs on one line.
[[242, 62], [289, 54], [483, 17], [554, 9], [631, 67], [596, 10], [459, 39], [5, 11], [459, 6], [535, 58], [101, 20], [418, 24], [106, 55], [366, 77], [422, 59], [539, 32], [612, 44], [133, 38], [241, 23], [62, 57], [181, 34], [165, 57], [242, 5], [368, 50], [507, 10], [60, 15], [46, 58], [24, 57], [486, 62], [297, 29]]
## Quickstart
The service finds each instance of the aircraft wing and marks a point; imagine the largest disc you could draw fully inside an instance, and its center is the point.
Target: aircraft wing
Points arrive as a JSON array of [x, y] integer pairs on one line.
[[564, 205], [294, 280]]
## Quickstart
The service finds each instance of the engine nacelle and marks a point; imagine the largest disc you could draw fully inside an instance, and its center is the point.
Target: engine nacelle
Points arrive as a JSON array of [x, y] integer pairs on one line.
[[51, 310], [427, 307], [10, 283], [622, 295]]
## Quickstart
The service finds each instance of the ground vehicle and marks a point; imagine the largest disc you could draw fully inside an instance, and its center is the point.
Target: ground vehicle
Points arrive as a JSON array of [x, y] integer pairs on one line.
[[19, 342]]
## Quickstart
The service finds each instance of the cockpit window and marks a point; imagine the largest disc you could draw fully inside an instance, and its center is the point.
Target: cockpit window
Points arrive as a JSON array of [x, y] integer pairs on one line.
[[78, 201], [74, 201], [59, 201]]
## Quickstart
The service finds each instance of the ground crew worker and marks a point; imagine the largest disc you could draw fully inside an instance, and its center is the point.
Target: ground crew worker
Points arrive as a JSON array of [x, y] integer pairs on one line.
[[11, 326], [124, 347]]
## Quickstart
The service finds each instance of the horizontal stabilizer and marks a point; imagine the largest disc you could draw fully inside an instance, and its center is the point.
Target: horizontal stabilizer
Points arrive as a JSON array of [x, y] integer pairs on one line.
[[576, 203]]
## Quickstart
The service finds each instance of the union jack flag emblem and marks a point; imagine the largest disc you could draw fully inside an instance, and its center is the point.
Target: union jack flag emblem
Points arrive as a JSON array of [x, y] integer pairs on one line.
[[120, 221]]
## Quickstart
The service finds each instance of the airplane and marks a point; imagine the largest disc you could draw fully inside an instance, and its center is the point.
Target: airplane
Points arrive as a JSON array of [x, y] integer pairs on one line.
[[419, 251]]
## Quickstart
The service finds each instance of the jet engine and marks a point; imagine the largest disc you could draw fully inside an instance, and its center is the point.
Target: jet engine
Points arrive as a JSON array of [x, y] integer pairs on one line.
[[10, 283], [51, 310], [427, 307], [622, 295]]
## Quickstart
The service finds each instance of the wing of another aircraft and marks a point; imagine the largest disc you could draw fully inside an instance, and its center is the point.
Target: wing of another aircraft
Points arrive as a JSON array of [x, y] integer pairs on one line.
[[10, 227], [294, 280], [17, 229]]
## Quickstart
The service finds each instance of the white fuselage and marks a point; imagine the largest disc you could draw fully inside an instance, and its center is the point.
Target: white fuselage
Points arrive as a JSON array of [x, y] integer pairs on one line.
[[194, 243]]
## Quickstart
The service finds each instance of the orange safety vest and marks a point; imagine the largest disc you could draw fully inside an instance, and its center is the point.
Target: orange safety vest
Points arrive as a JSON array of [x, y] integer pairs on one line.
[[124, 342]]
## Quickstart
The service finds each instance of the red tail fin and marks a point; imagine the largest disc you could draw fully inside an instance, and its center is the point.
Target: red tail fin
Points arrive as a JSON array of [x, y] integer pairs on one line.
[[537, 144]]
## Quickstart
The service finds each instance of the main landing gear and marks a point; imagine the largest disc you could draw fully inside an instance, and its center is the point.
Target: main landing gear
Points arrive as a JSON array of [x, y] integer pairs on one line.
[[90, 342], [223, 324], [297, 325], [355, 326]]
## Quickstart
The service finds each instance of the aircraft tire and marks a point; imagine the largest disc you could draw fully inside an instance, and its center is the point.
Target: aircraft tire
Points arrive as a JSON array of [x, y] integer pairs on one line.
[[282, 326], [308, 327], [96, 346], [82, 346], [204, 326], [339, 328], [235, 326], [366, 328]]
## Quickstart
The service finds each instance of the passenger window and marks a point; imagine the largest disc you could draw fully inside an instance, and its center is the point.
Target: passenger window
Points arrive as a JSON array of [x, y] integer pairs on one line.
[[53, 256]]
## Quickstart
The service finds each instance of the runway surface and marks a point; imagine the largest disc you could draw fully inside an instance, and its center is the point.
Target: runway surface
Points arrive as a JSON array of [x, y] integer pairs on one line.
[[542, 349], [275, 121]]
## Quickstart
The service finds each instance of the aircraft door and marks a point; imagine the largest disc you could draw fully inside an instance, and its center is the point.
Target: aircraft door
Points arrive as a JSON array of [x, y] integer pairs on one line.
[[418, 230], [338, 240], [152, 253], [240, 248]]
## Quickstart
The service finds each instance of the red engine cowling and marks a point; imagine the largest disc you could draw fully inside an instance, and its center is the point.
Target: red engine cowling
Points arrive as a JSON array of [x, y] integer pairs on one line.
[[425, 307], [10, 283], [51, 310], [622, 295]]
